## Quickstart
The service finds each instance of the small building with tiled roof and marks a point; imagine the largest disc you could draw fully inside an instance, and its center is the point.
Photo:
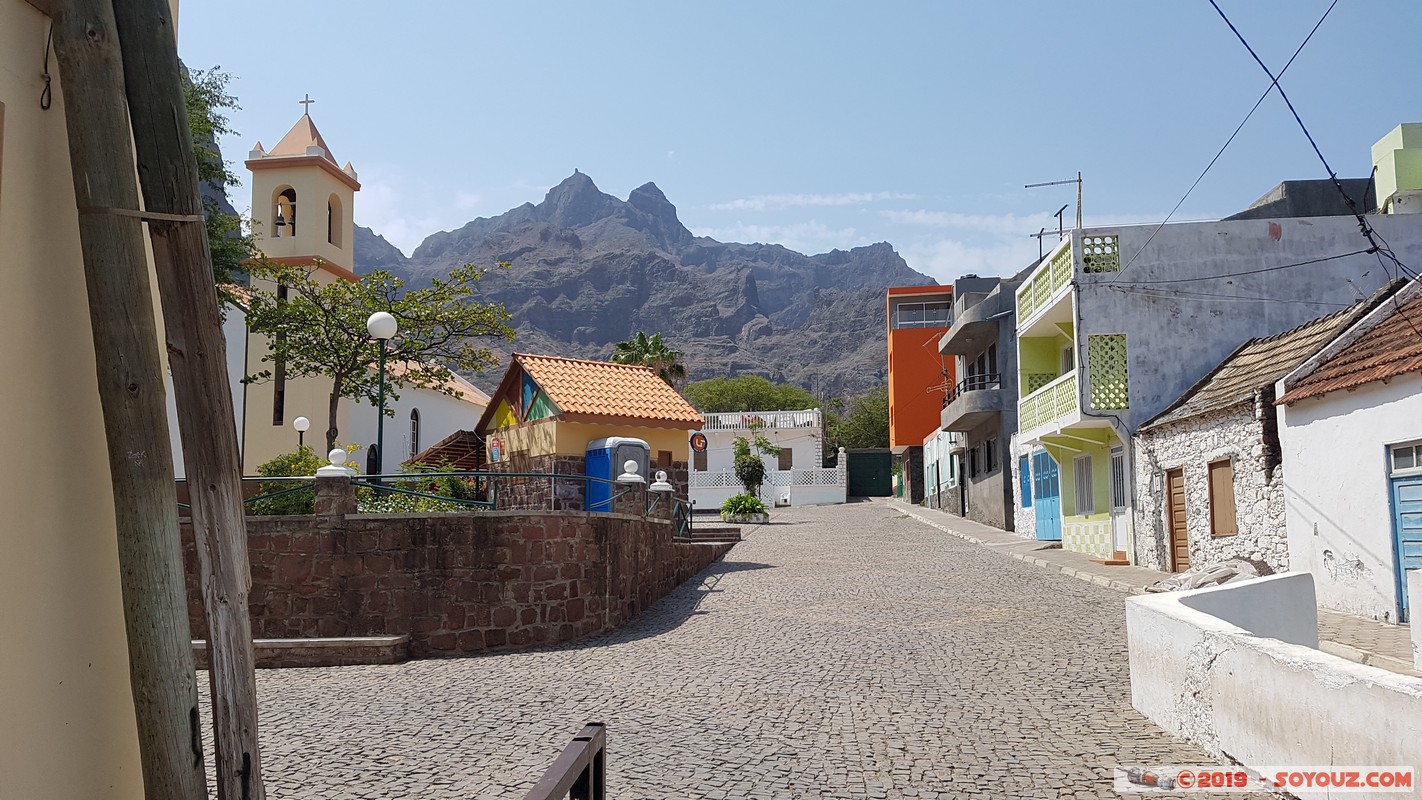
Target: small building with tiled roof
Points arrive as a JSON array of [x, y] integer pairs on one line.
[[548, 409], [1350, 431], [1208, 472]]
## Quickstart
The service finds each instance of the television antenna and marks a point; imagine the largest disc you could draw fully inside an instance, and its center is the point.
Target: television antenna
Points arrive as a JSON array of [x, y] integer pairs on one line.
[[1060, 225]]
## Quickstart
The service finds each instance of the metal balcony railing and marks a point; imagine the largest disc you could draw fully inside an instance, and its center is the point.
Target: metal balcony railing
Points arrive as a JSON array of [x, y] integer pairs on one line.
[[973, 383]]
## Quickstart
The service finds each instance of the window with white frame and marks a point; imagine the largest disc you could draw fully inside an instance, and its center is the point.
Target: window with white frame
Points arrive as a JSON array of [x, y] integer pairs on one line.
[[1405, 459], [1085, 494]]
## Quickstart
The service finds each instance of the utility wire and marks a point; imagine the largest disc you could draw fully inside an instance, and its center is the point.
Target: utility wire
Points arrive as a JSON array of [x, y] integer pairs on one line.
[[1228, 141], [1254, 271], [1363, 226], [1165, 294]]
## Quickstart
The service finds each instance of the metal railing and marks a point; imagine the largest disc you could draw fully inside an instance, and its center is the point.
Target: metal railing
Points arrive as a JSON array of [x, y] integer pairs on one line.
[[972, 383], [748, 420], [484, 486], [579, 772]]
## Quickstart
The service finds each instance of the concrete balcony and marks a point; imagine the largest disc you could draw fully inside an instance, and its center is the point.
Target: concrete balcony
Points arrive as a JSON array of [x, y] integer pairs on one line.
[[1082, 252], [974, 401], [1050, 408], [975, 326]]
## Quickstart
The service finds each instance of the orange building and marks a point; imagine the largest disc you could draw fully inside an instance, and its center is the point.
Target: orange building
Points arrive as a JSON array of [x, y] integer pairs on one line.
[[918, 375]]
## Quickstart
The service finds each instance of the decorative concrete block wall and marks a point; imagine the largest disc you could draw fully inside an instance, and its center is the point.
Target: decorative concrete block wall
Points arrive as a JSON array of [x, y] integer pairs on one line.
[[1192, 444], [456, 583]]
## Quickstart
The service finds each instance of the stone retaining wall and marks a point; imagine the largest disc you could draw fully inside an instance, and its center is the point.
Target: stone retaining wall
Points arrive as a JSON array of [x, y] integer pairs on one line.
[[456, 583]]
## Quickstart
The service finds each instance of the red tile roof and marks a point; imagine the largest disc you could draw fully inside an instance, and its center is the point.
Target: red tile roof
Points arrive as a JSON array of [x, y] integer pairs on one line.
[[607, 390], [1393, 347]]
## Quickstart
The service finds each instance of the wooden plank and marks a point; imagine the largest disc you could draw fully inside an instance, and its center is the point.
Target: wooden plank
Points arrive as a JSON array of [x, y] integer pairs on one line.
[[130, 389], [197, 357]]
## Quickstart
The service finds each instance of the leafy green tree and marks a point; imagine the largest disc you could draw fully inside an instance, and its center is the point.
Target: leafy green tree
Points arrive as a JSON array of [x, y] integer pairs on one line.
[[749, 466], [228, 238], [747, 393], [864, 424], [319, 329], [651, 351]]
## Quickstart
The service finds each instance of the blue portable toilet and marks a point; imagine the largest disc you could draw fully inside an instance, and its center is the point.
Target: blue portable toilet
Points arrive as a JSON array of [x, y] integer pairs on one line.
[[605, 458]]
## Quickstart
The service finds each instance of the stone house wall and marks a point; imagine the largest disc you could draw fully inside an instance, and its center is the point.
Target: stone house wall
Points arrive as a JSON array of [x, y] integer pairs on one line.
[[456, 583], [1025, 519], [1192, 444]]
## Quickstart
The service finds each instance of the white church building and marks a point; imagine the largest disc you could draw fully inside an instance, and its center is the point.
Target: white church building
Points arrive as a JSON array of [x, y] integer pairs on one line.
[[302, 215]]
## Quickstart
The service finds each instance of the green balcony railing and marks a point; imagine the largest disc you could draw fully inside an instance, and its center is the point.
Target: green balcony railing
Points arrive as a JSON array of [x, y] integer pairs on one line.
[[1052, 402], [1038, 290]]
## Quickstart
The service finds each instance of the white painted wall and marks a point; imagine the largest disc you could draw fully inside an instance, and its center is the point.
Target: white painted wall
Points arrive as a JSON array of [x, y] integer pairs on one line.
[[234, 331], [1336, 493], [1024, 519], [440, 416], [1261, 700], [1414, 591], [805, 483]]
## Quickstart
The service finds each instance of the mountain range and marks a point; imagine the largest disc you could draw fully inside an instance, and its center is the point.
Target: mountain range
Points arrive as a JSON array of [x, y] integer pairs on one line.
[[589, 269]]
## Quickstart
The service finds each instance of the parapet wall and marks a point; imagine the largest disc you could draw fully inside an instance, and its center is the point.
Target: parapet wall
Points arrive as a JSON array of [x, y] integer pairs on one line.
[[456, 583], [1205, 666]]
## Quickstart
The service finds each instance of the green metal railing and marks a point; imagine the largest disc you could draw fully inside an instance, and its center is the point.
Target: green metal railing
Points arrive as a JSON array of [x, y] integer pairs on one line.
[[484, 488]]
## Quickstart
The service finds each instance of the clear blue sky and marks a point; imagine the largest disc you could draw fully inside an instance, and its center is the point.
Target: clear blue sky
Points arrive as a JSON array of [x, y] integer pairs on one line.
[[816, 125]]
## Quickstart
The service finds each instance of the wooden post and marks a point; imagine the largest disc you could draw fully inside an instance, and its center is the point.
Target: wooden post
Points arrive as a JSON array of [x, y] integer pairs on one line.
[[130, 388], [197, 357]]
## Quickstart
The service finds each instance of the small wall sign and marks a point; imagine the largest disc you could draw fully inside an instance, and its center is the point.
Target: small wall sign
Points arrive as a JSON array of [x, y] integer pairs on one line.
[[698, 442], [496, 449]]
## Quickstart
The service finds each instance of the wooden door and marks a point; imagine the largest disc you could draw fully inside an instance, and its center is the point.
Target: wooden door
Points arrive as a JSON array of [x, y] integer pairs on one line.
[[1175, 520]]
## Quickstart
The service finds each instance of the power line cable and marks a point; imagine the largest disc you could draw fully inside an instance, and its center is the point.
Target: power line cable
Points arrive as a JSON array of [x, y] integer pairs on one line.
[[1228, 141], [1363, 226], [1254, 271], [1164, 294]]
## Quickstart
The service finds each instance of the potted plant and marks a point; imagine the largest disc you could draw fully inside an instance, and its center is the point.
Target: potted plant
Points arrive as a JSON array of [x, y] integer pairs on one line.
[[750, 471]]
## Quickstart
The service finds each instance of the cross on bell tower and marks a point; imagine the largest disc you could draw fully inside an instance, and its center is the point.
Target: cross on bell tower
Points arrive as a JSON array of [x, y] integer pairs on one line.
[[306, 103]]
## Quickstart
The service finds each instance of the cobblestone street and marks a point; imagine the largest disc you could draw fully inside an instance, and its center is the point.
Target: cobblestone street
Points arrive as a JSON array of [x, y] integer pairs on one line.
[[842, 651]]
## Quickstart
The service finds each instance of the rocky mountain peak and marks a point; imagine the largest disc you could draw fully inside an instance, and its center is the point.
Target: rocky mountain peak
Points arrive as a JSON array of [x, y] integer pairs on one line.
[[577, 202], [589, 270], [659, 217]]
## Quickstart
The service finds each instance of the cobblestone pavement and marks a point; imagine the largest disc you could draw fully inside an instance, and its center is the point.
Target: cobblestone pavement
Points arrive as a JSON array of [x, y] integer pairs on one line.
[[843, 651]]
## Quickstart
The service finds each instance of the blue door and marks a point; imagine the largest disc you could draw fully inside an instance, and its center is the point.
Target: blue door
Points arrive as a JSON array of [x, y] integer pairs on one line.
[[1407, 531], [1047, 496]]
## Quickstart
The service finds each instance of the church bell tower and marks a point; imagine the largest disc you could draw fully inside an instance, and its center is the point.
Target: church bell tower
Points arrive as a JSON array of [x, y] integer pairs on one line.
[[302, 202]]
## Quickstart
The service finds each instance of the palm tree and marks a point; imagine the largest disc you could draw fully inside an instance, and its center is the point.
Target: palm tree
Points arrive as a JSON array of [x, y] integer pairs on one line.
[[652, 352]]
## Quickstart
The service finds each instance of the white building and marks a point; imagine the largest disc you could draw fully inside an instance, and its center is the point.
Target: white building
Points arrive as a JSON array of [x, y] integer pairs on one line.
[[797, 476], [1350, 428], [265, 411], [940, 470]]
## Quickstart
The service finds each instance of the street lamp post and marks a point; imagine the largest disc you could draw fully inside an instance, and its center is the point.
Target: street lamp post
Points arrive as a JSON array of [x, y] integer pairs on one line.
[[302, 425], [382, 327]]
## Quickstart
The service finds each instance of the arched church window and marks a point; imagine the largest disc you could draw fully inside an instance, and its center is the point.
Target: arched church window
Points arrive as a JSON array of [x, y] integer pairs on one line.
[[284, 213], [414, 432], [334, 220]]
